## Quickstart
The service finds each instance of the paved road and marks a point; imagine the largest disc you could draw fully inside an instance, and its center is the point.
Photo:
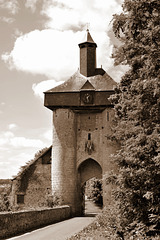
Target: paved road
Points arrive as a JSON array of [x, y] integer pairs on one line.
[[58, 231], [91, 208], [62, 230]]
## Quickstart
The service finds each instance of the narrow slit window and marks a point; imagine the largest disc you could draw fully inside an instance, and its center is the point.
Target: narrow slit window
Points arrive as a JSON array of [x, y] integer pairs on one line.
[[107, 116], [89, 136]]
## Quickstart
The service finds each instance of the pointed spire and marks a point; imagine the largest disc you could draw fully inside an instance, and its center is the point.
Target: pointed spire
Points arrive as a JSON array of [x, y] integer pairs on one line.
[[89, 38], [88, 56]]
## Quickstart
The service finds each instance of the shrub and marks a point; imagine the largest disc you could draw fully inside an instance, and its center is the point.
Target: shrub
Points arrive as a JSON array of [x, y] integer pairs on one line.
[[94, 190]]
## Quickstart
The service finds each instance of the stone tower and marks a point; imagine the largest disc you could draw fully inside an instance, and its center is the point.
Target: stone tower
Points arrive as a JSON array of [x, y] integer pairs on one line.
[[88, 57], [82, 116]]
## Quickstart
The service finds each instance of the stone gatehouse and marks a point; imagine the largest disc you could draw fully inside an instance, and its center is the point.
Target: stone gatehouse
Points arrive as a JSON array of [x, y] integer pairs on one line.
[[82, 119], [81, 149]]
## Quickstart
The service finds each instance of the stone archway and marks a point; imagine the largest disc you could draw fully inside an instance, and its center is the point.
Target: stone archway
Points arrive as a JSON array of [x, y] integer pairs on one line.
[[86, 170]]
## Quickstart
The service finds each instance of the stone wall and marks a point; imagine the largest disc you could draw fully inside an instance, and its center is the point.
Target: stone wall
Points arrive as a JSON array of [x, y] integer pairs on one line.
[[64, 157], [81, 150], [94, 146], [39, 186], [5, 186], [97, 127], [12, 224], [34, 185]]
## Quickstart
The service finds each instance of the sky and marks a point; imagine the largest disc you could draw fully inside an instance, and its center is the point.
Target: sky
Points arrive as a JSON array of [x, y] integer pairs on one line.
[[39, 50]]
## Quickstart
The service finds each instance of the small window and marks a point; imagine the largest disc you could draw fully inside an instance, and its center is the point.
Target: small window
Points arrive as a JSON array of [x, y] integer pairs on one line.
[[107, 116], [89, 136], [20, 198]]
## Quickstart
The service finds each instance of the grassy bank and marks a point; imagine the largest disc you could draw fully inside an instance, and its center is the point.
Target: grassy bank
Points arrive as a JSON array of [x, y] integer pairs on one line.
[[106, 226]]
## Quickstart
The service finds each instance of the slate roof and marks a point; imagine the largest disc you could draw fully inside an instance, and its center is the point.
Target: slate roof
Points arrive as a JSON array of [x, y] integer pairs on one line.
[[88, 37], [87, 40], [77, 81]]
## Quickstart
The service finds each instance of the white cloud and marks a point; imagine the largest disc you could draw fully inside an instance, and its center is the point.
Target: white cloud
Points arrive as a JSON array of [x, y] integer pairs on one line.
[[7, 19], [12, 126], [17, 150], [31, 4], [8, 135], [10, 5], [5, 138], [63, 18], [14, 162], [17, 33], [48, 135], [8, 139], [2, 141], [24, 142], [12, 169], [116, 72], [54, 52], [43, 86], [50, 52], [64, 14]]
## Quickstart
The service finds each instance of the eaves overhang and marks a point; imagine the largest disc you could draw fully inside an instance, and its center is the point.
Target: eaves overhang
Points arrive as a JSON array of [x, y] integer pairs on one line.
[[78, 99], [81, 92]]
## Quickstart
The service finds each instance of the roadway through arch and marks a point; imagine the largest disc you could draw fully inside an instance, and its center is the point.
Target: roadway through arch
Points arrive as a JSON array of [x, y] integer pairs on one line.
[[87, 170]]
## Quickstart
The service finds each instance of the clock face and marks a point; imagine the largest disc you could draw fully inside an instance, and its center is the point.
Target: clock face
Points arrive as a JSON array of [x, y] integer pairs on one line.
[[88, 98]]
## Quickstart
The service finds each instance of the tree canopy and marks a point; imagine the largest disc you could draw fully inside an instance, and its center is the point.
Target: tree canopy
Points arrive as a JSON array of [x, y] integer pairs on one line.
[[137, 114]]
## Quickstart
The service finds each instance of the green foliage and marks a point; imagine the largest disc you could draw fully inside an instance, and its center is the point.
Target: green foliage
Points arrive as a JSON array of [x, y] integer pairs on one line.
[[94, 190], [97, 194], [108, 226], [53, 201], [40, 152], [137, 113], [103, 227], [4, 203], [5, 191]]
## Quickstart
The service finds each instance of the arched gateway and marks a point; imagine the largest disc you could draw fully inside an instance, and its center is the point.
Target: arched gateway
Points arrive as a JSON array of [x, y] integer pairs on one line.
[[88, 169], [82, 116]]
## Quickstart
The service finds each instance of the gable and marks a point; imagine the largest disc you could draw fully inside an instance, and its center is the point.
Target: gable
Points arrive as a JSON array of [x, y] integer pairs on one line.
[[87, 86]]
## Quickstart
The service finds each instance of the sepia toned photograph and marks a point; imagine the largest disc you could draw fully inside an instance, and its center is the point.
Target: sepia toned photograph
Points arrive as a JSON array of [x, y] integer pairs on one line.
[[80, 120]]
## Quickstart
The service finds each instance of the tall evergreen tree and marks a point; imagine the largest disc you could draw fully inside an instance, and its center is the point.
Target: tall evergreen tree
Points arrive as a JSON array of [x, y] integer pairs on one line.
[[137, 112]]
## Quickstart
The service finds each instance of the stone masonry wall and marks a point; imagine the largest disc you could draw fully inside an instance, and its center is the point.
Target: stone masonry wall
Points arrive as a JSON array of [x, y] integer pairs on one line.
[[78, 139], [64, 157], [12, 224], [98, 125], [95, 129], [35, 186], [39, 187]]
